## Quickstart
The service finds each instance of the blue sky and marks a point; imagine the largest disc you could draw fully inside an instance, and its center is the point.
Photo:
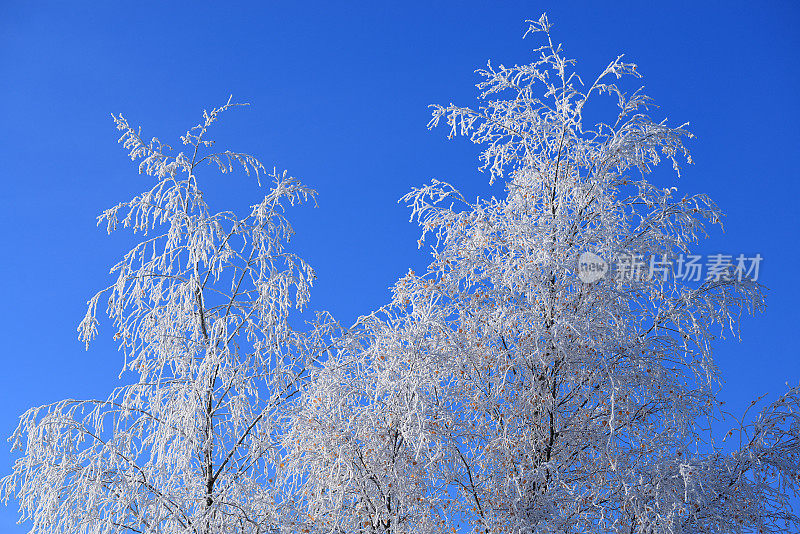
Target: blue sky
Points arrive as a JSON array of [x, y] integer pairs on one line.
[[339, 97]]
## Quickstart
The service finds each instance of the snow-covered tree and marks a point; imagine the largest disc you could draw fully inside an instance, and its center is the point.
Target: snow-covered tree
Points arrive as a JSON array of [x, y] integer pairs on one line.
[[498, 392], [202, 307]]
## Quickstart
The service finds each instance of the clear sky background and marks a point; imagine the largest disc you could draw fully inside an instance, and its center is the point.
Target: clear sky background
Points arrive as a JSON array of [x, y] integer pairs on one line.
[[339, 96]]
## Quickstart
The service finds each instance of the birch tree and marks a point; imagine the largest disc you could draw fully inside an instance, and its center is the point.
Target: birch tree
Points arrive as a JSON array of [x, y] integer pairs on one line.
[[500, 393], [202, 308]]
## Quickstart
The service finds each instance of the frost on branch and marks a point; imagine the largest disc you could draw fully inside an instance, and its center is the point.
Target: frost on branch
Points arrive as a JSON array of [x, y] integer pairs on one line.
[[497, 393], [202, 310], [364, 448]]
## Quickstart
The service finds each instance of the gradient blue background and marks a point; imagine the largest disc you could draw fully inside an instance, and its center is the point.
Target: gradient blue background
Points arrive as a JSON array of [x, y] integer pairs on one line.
[[339, 96]]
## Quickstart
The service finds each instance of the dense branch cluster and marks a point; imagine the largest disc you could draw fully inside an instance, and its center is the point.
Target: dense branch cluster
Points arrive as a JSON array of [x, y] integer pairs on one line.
[[495, 393]]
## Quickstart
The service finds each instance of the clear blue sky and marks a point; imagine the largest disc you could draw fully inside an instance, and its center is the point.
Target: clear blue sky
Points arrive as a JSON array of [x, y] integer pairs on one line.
[[339, 96]]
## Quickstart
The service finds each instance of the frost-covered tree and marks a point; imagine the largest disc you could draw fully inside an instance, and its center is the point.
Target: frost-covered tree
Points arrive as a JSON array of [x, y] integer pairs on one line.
[[498, 392], [202, 307]]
